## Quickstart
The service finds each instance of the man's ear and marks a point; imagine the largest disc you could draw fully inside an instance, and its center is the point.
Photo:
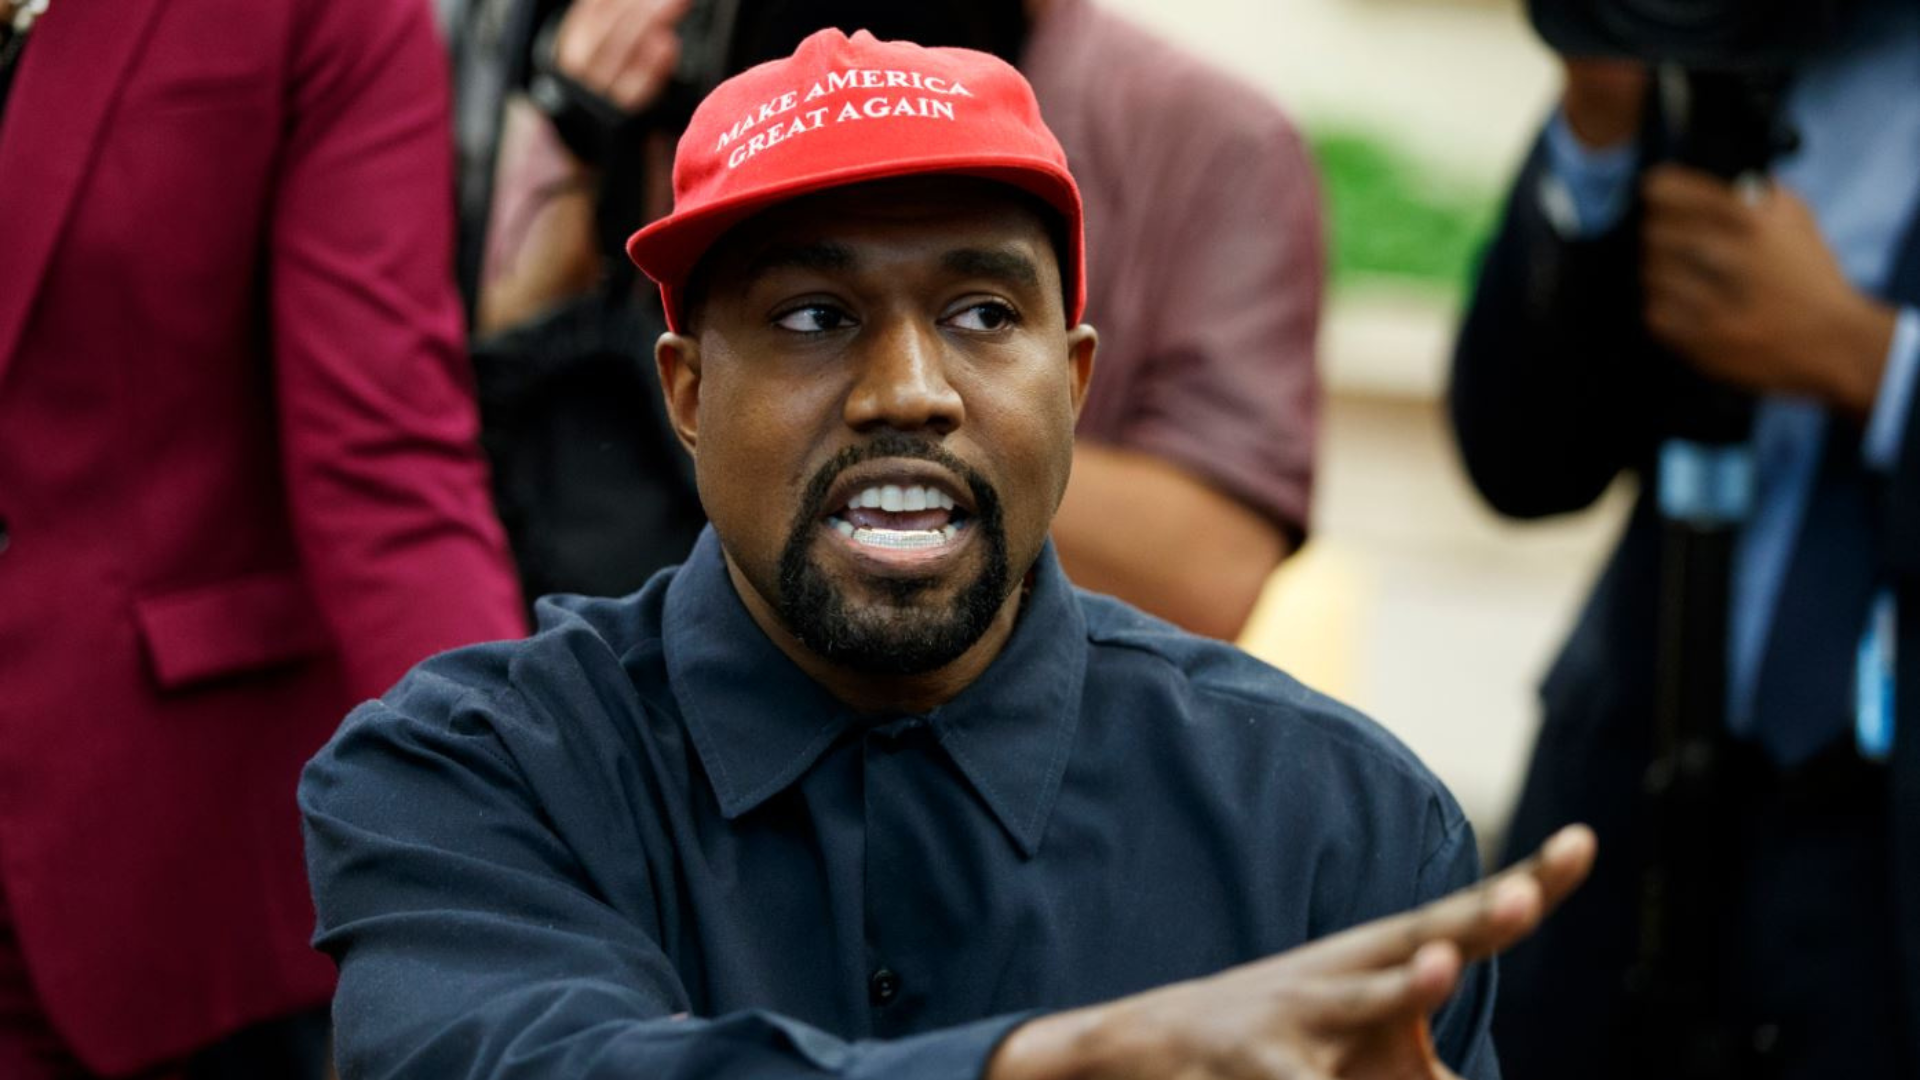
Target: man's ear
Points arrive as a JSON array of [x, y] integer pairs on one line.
[[1082, 340], [678, 358]]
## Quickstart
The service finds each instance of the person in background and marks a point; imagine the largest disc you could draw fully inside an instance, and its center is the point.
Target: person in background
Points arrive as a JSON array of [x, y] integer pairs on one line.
[[239, 493], [1804, 293], [865, 787], [1196, 450]]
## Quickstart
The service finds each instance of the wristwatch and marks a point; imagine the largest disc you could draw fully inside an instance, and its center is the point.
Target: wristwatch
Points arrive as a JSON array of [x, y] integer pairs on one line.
[[586, 122]]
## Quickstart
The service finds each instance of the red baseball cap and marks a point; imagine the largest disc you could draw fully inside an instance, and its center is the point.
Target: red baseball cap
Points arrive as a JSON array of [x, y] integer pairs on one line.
[[845, 110]]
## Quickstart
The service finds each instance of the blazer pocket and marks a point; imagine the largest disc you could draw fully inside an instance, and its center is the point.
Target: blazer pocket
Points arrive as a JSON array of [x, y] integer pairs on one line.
[[239, 625]]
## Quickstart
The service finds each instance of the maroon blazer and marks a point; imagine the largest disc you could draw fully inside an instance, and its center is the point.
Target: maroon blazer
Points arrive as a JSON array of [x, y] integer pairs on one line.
[[238, 476]]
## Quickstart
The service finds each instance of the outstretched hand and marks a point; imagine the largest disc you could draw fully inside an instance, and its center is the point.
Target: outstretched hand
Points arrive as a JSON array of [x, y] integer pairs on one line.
[[1355, 1004]]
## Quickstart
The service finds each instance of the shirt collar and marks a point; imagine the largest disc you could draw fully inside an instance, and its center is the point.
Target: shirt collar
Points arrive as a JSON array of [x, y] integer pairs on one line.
[[759, 723]]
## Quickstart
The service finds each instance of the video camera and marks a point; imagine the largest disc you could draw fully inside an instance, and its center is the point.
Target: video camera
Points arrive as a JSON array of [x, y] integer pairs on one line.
[[1723, 66], [1702, 35]]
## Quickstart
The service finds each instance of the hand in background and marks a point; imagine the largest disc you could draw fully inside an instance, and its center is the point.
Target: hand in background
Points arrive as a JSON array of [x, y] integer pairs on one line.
[[1603, 100], [1744, 288], [622, 50], [1355, 1004]]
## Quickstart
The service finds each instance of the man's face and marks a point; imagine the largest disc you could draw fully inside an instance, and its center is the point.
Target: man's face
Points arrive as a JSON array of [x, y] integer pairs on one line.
[[880, 391]]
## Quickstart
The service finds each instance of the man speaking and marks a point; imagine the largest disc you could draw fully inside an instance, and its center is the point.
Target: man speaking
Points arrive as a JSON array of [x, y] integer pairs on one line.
[[866, 788]]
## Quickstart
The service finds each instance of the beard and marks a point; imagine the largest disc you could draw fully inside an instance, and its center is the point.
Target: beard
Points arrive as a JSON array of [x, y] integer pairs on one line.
[[907, 631]]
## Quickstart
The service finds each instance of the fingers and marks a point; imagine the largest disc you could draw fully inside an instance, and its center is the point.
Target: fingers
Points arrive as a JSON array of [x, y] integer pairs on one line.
[[1680, 247], [1677, 194], [1687, 313], [641, 81], [623, 50], [1400, 992], [1698, 252], [1687, 289], [1478, 921], [1560, 865]]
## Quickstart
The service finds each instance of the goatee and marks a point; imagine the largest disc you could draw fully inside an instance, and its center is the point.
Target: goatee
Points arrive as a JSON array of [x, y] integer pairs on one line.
[[905, 632]]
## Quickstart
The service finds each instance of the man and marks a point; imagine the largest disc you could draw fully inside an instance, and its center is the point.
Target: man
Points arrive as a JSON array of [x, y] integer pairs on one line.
[[239, 492], [1205, 245], [866, 786], [1803, 295]]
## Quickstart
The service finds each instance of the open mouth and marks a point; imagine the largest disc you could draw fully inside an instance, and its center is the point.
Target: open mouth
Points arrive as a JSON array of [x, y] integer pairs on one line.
[[900, 517]]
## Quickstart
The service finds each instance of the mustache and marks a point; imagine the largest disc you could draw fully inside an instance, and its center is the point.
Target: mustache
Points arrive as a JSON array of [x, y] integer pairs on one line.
[[986, 500]]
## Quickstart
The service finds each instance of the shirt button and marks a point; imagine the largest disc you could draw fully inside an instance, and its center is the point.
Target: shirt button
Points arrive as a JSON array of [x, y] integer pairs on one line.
[[883, 987], [5, 536]]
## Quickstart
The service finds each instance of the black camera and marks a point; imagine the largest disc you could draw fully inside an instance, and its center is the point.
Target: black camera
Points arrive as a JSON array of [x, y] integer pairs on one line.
[[1703, 35]]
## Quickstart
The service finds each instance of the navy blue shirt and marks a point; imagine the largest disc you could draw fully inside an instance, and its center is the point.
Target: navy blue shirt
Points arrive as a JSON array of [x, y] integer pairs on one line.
[[642, 843]]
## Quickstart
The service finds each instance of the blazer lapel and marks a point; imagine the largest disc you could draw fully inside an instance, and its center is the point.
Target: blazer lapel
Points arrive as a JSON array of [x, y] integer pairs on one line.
[[69, 77]]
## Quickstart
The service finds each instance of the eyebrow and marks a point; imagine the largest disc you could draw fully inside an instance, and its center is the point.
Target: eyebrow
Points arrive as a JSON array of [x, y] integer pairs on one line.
[[983, 262], [1000, 264], [812, 255]]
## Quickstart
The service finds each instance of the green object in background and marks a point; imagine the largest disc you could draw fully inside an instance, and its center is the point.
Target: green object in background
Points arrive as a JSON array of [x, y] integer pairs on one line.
[[1390, 217]]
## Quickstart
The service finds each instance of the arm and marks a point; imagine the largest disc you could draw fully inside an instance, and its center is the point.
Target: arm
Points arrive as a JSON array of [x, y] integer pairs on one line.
[[385, 484], [1555, 387], [542, 244], [1186, 506], [1353, 1004], [540, 228], [1199, 559]]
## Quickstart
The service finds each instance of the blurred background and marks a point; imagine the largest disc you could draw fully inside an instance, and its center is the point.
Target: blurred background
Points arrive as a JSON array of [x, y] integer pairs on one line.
[[1411, 601]]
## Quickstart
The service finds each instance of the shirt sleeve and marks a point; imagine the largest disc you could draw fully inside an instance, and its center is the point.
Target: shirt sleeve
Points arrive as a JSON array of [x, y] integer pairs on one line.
[[471, 943], [1585, 192], [1229, 385], [1893, 403], [1463, 1028], [386, 487]]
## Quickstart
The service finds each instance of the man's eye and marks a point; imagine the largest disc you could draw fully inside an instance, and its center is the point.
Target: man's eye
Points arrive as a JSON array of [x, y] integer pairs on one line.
[[813, 319], [986, 315]]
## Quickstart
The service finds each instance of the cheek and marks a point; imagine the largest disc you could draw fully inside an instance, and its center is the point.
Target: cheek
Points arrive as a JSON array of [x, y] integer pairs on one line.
[[758, 440], [1048, 415], [741, 468], [1034, 445]]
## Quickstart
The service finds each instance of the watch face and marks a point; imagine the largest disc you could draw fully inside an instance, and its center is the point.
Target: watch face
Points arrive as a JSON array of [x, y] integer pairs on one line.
[[1709, 34]]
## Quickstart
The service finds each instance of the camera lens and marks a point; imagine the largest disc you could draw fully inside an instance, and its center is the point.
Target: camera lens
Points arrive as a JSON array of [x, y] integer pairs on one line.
[[1710, 34]]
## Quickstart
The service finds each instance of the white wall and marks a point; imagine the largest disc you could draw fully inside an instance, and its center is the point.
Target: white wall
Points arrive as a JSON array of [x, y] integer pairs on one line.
[[1463, 82]]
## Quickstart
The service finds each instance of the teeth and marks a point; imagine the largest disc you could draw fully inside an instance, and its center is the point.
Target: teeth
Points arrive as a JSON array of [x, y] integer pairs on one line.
[[900, 539], [842, 527], [894, 498]]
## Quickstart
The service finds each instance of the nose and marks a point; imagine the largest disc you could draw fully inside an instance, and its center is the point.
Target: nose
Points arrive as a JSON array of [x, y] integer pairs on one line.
[[902, 381]]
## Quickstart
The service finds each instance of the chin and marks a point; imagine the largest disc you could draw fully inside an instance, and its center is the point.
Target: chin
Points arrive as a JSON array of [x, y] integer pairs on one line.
[[888, 622]]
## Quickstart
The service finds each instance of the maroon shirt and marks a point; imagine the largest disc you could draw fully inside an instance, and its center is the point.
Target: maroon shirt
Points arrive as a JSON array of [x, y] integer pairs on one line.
[[1205, 258]]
